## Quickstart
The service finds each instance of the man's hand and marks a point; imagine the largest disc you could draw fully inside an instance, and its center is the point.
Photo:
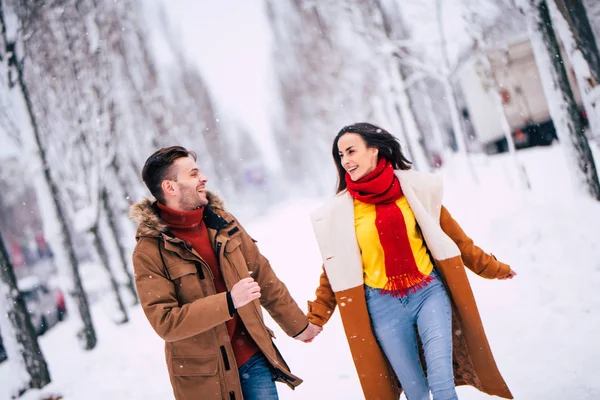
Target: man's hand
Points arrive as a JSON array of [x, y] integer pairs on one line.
[[244, 292], [309, 333], [510, 275]]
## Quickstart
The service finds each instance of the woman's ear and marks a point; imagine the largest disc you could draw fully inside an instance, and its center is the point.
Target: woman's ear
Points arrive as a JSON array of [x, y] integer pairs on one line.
[[375, 151]]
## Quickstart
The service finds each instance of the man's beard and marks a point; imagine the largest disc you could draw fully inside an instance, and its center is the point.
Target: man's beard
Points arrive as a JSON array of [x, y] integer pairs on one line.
[[189, 199]]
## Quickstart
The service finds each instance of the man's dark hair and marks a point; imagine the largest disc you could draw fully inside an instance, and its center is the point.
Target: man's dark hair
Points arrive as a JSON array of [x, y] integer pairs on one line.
[[159, 167]]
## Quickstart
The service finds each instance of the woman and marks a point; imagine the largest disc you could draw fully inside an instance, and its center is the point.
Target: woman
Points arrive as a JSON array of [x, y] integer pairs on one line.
[[394, 261]]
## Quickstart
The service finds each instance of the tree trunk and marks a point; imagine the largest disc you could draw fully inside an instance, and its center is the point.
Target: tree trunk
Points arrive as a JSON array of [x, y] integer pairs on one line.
[[580, 44], [105, 261], [438, 139], [460, 135], [493, 85], [87, 335], [111, 218], [20, 339], [414, 137], [576, 16], [563, 108]]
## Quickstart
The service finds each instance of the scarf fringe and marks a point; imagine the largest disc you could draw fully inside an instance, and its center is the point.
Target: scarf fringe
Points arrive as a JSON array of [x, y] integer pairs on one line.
[[403, 285]]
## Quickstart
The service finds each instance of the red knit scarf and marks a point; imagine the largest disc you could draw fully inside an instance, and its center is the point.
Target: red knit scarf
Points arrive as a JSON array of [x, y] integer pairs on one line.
[[382, 188]]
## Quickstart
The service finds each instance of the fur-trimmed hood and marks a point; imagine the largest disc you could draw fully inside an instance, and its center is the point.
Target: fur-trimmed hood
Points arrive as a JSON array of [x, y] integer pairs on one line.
[[151, 224]]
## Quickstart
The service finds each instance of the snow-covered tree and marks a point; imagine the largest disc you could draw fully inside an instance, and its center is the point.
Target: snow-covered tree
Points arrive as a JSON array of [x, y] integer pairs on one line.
[[484, 22], [576, 33], [563, 108], [19, 337], [15, 19], [334, 65], [394, 30]]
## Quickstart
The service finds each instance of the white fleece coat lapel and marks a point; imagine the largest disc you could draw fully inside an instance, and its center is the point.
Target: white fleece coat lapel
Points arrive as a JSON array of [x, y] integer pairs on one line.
[[333, 224]]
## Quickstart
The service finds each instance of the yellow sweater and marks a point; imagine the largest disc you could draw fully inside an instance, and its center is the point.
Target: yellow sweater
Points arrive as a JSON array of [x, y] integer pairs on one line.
[[370, 247]]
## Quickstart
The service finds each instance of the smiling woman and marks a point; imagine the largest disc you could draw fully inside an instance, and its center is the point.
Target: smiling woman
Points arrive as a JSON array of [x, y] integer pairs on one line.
[[356, 158], [357, 148], [393, 258]]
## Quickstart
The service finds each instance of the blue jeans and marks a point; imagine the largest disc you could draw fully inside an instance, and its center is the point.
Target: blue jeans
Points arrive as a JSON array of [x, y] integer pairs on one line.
[[256, 379], [394, 321]]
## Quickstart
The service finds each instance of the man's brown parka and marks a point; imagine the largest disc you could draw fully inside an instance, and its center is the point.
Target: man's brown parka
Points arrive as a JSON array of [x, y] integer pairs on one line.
[[179, 299]]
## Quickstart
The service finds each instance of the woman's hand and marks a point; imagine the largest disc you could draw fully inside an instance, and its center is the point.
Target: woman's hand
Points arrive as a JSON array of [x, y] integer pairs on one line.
[[309, 333], [511, 274]]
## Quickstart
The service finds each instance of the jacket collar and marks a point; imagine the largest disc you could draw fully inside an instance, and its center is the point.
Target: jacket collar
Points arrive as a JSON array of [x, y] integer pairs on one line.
[[146, 213]]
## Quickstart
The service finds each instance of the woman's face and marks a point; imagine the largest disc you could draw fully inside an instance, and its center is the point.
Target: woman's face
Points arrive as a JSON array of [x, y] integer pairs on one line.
[[356, 158]]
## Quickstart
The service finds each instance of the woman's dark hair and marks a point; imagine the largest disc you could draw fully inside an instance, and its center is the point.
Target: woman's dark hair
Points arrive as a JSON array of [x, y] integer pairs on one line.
[[159, 167], [375, 137]]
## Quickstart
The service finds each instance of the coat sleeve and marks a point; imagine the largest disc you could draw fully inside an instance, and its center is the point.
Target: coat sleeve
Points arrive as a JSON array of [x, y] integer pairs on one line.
[[320, 310], [478, 261], [171, 321], [275, 297]]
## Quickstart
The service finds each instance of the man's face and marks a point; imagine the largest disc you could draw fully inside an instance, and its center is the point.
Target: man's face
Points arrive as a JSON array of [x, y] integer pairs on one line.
[[190, 186]]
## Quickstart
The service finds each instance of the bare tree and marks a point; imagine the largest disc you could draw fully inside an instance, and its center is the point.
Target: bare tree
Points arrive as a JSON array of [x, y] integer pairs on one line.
[[563, 108], [523, 178], [460, 135], [441, 70], [479, 28], [59, 236], [576, 15], [575, 31], [122, 315], [111, 219], [335, 65], [393, 29], [19, 336]]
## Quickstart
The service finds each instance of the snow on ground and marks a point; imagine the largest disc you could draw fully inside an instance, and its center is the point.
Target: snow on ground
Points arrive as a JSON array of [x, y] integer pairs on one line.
[[541, 325]]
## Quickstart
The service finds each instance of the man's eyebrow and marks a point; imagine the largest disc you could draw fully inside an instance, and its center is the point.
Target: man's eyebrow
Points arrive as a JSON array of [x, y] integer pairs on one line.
[[195, 169]]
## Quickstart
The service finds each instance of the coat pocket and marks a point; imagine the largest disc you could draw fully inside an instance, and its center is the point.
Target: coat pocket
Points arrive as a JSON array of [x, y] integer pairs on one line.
[[190, 285], [195, 366], [181, 268], [232, 244], [235, 257]]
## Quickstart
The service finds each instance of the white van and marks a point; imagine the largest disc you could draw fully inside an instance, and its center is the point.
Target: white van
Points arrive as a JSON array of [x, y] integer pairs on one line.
[[516, 78]]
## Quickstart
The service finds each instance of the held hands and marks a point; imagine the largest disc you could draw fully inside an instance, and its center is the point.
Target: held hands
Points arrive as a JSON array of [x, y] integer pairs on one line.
[[309, 333], [248, 290], [244, 292], [510, 275]]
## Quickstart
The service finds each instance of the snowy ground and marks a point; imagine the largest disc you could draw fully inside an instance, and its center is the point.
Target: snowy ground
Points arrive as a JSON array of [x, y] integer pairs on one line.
[[541, 325]]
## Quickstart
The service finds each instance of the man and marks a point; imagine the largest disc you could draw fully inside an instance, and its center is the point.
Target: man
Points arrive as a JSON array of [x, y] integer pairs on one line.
[[201, 281]]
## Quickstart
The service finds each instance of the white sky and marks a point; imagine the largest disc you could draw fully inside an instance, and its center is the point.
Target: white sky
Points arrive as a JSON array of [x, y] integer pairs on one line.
[[230, 40]]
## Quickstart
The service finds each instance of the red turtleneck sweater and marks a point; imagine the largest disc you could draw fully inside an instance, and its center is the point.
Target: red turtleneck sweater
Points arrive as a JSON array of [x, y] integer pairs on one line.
[[189, 226]]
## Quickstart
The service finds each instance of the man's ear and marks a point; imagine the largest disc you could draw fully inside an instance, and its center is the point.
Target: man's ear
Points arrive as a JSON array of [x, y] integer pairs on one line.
[[167, 187]]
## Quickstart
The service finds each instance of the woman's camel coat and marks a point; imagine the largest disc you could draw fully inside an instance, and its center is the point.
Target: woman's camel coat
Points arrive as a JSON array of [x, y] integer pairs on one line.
[[451, 249]]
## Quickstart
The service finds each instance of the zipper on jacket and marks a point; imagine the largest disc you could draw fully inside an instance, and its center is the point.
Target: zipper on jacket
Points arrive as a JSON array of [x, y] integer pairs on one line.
[[219, 245], [225, 359]]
